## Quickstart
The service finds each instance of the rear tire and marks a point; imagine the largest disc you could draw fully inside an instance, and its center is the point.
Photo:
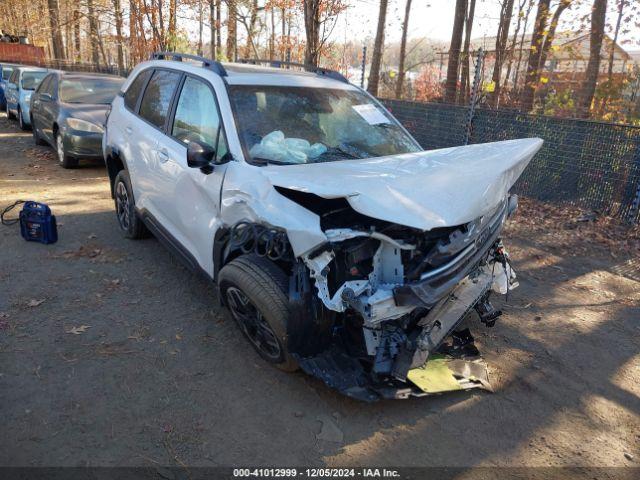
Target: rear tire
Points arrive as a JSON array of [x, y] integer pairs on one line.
[[130, 224], [64, 160], [254, 289], [36, 136], [21, 124], [10, 115]]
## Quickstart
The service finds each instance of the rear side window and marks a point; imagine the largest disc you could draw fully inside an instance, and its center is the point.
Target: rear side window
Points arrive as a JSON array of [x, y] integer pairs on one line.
[[42, 88], [157, 96], [6, 73], [14, 77], [134, 90]]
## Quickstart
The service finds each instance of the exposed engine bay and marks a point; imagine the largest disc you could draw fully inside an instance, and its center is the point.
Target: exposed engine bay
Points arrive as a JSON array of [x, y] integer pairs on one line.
[[380, 299], [383, 270]]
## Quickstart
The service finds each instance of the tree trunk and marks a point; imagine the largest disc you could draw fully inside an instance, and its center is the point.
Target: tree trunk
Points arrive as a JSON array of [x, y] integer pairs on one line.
[[598, 17], [232, 28], [218, 29], [93, 33], [56, 34], [465, 82], [403, 50], [312, 31], [212, 27], [521, 49], [451, 83], [514, 40], [612, 50], [118, 20], [173, 14], [549, 38], [272, 38], [378, 46], [76, 36], [200, 26], [501, 45], [539, 29]]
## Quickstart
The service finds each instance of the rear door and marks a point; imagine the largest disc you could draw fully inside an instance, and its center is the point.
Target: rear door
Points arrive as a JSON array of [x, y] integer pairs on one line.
[[36, 105], [49, 107], [11, 93], [189, 198]]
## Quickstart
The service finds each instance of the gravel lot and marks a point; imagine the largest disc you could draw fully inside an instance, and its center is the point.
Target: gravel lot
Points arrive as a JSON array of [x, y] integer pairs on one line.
[[111, 353]]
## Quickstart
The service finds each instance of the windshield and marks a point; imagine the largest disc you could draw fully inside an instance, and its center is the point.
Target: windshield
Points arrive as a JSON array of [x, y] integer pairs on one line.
[[6, 72], [90, 90], [309, 125], [30, 80]]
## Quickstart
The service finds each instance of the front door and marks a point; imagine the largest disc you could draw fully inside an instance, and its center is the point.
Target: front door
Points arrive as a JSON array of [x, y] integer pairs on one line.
[[188, 197]]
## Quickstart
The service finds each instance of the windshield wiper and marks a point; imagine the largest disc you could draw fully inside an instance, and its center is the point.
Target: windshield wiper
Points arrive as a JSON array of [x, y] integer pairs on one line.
[[261, 161], [341, 150]]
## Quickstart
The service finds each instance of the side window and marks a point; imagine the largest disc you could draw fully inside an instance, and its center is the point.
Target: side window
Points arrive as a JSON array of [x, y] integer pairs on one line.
[[197, 116], [157, 96], [42, 88], [14, 77], [134, 90], [52, 88]]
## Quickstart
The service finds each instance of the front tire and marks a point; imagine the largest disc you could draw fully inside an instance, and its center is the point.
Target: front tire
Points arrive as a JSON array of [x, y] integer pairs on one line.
[[130, 224], [254, 289], [64, 160]]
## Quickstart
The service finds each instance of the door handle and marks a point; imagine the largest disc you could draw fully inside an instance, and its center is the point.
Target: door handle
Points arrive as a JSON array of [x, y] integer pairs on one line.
[[163, 155], [128, 130]]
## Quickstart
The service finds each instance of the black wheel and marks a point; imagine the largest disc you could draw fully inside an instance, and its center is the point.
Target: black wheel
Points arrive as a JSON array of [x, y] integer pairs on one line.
[[129, 222], [10, 115], [253, 289], [36, 137], [21, 123], [64, 160]]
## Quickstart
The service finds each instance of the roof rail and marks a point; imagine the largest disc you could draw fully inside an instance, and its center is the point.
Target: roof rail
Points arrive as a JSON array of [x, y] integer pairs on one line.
[[279, 64], [212, 65]]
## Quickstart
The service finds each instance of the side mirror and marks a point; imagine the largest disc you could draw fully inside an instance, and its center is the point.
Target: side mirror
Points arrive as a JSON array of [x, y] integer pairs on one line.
[[45, 97], [200, 156]]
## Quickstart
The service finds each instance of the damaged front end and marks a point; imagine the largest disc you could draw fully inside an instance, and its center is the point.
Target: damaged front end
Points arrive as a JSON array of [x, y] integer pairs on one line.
[[390, 298]]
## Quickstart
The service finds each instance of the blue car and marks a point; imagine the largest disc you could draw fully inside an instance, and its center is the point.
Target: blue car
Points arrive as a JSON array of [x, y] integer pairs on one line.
[[5, 73], [20, 86]]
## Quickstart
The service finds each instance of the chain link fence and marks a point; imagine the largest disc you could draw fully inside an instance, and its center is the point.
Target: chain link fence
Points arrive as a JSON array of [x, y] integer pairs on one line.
[[591, 164]]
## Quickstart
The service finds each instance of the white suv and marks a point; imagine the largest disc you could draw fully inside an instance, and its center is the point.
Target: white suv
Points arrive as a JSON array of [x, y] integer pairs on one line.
[[338, 245]]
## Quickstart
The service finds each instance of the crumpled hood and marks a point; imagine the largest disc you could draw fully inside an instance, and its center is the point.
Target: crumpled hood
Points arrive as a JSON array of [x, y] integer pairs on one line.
[[424, 190]]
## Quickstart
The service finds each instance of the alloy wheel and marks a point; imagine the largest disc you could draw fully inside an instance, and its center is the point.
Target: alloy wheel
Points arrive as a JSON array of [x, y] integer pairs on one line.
[[253, 323], [122, 205]]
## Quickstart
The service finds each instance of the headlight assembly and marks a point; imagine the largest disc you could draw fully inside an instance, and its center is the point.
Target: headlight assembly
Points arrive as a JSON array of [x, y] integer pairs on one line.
[[84, 126]]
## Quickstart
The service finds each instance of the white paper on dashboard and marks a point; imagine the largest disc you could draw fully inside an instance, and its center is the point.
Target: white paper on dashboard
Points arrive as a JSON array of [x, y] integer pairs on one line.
[[371, 114]]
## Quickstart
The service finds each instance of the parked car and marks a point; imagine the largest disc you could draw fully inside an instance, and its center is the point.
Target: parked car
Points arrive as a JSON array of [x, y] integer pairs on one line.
[[5, 73], [20, 86], [336, 243], [68, 112]]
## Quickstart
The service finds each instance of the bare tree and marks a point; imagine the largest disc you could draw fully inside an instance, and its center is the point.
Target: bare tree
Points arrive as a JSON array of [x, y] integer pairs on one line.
[[378, 45], [93, 33], [501, 45], [451, 83], [403, 50], [612, 48], [213, 27], [598, 20], [56, 34], [117, 7], [232, 29], [465, 83], [540, 26]]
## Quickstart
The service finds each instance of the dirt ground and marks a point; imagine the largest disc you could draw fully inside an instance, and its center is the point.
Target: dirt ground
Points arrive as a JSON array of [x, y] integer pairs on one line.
[[111, 353]]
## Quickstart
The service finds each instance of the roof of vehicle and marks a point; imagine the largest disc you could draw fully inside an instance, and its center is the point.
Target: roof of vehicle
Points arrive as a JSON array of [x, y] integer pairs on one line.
[[31, 69], [259, 72], [80, 75]]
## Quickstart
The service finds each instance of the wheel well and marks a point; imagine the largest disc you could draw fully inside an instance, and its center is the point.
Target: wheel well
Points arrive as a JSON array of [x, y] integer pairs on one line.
[[55, 129], [114, 165]]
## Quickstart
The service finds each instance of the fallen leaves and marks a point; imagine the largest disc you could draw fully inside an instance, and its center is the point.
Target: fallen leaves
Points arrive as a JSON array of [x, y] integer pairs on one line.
[[78, 330], [34, 303]]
